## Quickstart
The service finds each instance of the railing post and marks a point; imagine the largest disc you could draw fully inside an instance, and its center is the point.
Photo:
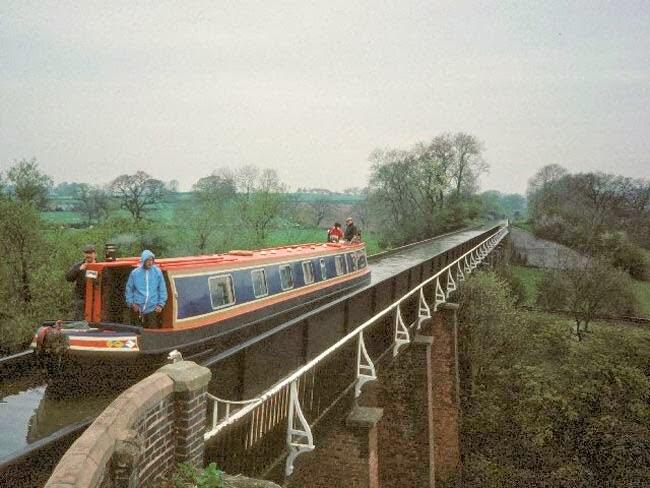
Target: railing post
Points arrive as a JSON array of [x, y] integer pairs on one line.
[[365, 367], [402, 336], [451, 284], [424, 312], [460, 276], [299, 436], [440, 295]]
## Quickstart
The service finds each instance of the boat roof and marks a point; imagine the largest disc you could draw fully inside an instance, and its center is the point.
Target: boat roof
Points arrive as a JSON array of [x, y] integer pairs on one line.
[[235, 256]]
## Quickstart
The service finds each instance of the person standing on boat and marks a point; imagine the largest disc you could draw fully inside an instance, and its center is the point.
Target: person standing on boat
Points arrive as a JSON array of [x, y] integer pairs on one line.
[[146, 292], [335, 233], [77, 273], [351, 231]]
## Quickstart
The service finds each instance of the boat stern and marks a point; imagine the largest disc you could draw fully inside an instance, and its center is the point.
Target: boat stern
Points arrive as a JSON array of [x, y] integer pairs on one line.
[[76, 339]]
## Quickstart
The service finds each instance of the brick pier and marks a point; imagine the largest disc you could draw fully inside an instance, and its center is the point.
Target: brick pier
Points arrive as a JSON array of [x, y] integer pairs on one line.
[[414, 427]]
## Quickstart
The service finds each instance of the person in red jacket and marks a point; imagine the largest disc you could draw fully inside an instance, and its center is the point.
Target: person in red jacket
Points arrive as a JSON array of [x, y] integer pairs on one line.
[[335, 233]]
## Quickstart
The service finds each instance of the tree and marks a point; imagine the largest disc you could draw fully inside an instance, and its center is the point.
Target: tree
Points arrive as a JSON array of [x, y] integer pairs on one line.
[[20, 240], [260, 200], [66, 189], [213, 194], [584, 210], [545, 175], [219, 186], [426, 189], [540, 410], [362, 208], [29, 184], [468, 163], [587, 291], [93, 202], [137, 192], [320, 206], [172, 186]]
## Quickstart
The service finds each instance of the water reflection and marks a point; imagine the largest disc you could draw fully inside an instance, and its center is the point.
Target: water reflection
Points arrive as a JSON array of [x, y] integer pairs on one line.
[[32, 410]]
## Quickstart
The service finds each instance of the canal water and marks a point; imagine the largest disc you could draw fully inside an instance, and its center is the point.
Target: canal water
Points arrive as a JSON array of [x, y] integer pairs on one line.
[[31, 408]]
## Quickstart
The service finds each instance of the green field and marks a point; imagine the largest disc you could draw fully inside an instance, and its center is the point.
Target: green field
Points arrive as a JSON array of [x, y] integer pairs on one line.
[[165, 209]]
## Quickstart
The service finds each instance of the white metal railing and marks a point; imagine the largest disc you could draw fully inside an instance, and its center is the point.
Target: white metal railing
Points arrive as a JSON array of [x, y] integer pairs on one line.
[[282, 402]]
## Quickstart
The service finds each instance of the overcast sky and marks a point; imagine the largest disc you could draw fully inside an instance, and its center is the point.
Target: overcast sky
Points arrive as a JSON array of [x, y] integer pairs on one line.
[[94, 90]]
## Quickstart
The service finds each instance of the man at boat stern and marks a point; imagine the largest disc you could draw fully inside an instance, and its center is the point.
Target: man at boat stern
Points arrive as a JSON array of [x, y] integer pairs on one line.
[[77, 274], [146, 293]]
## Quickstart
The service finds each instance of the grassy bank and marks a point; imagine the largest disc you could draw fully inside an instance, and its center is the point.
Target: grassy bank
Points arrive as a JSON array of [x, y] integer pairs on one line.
[[542, 409]]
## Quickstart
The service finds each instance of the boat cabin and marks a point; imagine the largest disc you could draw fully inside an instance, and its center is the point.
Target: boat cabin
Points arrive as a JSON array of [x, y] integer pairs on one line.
[[204, 290]]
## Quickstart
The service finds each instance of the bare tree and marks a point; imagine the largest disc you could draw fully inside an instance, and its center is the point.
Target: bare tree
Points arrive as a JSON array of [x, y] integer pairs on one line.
[[93, 202], [260, 199], [468, 162], [137, 192], [545, 175], [205, 213], [362, 208], [172, 186], [320, 206], [587, 291], [409, 190]]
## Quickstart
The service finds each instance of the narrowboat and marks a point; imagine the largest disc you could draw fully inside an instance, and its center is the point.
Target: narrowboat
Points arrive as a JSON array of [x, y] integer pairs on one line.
[[209, 297]]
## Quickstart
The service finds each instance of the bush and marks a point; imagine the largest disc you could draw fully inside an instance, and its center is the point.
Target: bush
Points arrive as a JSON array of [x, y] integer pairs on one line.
[[188, 476], [539, 408], [625, 255], [16, 333], [587, 292], [515, 284]]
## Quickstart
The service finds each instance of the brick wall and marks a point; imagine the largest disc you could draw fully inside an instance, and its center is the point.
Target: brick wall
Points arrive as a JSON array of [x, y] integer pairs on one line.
[[445, 409], [404, 445], [156, 430], [345, 457], [142, 434], [416, 442]]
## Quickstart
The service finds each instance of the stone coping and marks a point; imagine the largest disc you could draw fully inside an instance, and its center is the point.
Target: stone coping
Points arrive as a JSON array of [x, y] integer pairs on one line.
[[84, 464]]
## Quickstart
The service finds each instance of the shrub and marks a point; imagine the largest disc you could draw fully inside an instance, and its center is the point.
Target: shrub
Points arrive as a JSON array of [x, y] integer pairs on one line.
[[544, 410], [625, 255], [587, 292], [189, 476], [515, 284], [16, 333]]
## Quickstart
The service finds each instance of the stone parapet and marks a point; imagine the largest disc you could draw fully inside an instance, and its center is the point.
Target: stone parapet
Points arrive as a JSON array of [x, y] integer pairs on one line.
[[142, 434]]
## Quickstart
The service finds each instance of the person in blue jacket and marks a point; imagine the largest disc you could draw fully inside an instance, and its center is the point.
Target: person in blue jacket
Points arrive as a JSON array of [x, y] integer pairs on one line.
[[146, 292]]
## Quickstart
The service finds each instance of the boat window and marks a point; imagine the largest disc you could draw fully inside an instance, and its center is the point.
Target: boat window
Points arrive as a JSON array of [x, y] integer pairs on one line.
[[340, 267], [260, 288], [286, 276], [308, 272], [323, 269], [222, 293]]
